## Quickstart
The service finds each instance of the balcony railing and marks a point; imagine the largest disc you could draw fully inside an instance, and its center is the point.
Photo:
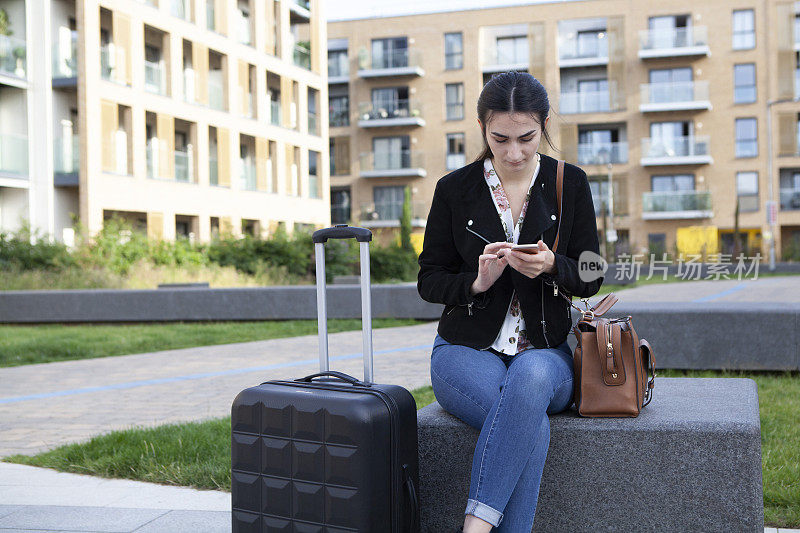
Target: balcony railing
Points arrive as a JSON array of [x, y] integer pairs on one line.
[[570, 54], [181, 9], [210, 22], [189, 81], [112, 59], [790, 199], [118, 145], [585, 102], [403, 61], [65, 55], [676, 204], [243, 28], [674, 96], [14, 155], [380, 213], [675, 151], [302, 56], [154, 80], [275, 113], [313, 186], [313, 123], [184, 165], [494, 58], [602, 153], [247, 175], [389, 164], [677, 41], [213, 170], [398, 112], [65, 155], [13, 56], [215, 95], [152, 159]]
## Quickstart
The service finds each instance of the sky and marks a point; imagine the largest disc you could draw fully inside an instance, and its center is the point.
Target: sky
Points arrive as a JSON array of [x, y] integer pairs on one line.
[[353, 9]]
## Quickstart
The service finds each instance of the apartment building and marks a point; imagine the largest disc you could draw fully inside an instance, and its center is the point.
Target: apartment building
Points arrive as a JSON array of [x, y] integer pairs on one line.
[[666, 105], [185, 117]]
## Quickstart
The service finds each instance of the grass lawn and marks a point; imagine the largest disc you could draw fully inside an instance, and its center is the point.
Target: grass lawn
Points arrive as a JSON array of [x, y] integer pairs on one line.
[[23, 345], [198, 454]]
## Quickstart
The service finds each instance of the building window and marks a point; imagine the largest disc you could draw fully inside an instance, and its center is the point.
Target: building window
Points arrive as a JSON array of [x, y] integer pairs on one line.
[[390, 53], [672, 183], [512, 50], [747, 190], [746, 137], [388, 202], [337, 63], [454, 97], [456, 157], [744, 83], [671, 85], [744, 30], [339, 111], [340, 206], [389, 102], [657, 244], [391, 153], [313, 174], [453, 51]]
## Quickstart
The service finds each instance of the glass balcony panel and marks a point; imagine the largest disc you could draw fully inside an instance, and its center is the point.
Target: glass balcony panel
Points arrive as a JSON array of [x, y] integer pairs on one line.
[[672, 38], [676, 201], [602, 153], [790, 199], [13, 56], [14, 154], [247, 175], [65, 54], [243, 27], [389, 109], [210, 22], [302, 56], [189, 86], [585, 102], [572, 49], [313, 127], [275, 112], [184, 166], [305, 4], [213, 170], [106, 61], [456, 161], [215, 94], [675, 146], [65, 155], [392, 160], [390, 211], [152, 158], [748, 202], [154, 80]]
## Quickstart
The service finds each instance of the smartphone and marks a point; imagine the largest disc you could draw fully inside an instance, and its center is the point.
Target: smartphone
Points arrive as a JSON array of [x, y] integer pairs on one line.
[[526, 248]]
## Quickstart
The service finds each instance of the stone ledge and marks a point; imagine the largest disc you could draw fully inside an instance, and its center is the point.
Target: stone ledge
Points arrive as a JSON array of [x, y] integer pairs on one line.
[[690, 462]]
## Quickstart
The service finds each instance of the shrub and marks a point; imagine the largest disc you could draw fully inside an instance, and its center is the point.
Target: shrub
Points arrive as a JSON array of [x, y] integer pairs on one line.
[[26, 251], [393, 263]]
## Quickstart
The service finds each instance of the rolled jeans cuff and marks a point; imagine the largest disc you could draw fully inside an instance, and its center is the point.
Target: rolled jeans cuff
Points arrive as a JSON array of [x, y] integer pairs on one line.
[[484, 512]]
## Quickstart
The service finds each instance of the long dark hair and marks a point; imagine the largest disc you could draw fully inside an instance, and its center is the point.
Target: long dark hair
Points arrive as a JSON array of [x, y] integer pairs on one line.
[[512, 92]]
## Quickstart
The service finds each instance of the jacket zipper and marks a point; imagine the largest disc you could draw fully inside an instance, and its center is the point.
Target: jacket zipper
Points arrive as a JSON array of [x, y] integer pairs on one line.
[[544, 322]]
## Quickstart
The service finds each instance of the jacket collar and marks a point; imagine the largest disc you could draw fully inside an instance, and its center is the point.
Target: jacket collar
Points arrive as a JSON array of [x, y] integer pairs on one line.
[[541, 206]]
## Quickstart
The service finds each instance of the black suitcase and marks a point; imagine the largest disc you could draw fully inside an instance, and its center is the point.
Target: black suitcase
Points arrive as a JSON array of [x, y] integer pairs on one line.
[[326, 453]]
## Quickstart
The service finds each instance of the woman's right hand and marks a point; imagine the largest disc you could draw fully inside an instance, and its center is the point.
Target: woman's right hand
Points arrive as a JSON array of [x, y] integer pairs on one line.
[[490, 266]]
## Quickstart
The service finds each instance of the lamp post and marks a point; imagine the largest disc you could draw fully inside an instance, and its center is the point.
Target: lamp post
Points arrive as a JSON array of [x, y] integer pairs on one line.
[[772, 221], [604, 158]]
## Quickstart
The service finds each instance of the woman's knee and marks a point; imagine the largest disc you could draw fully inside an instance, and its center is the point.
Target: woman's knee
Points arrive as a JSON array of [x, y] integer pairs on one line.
[[534, 377]]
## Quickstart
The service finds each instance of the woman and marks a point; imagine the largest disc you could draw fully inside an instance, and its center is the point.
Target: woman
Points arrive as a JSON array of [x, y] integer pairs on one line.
[[501, 361]]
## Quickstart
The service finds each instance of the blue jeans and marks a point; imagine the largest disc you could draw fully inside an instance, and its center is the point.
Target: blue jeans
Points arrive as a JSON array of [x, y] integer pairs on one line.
[[508, 399]]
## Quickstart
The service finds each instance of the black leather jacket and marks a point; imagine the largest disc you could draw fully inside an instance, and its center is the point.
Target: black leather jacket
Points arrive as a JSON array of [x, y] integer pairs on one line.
[[449, 259]]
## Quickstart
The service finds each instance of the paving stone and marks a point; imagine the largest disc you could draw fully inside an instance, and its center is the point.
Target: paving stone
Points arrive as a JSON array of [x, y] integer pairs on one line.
[[111, 520], [189, 522]]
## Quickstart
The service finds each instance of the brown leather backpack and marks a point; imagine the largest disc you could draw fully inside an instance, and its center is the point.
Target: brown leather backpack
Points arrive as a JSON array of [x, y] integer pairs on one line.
[[612, 363]]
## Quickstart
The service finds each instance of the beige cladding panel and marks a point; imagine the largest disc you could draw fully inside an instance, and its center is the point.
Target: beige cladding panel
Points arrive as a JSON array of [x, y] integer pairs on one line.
[[536, 34], [244, 86], [155, 226], [165, 131], [200, 65], [269, 35], [341, 155], [617, 82], [569, 142], [224, 157], [787, 133], [221, 16], [786, 53], [109, 118], [122, 45], [262, 156], [289, 171]]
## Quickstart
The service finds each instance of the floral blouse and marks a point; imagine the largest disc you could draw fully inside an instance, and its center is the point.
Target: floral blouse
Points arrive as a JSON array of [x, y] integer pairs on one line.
[[512, 338]]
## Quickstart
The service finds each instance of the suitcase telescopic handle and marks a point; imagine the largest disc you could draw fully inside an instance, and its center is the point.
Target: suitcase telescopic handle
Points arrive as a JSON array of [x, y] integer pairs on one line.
[[333, 373], [363, 236]]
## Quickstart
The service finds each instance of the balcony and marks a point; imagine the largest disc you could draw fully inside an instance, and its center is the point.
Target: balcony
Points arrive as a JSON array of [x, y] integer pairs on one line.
[[402, 163], [213, 170], [300, 8], [13, 54], [302, 55], [790, 199], [184, 165], [210, 14], [387, 214], [680, 96], [154, 79], [676, 151], [402, 62], [13, 155], [275, 113], [692, 41], [65, 55], [66, 161], [396, 113], [676, 205], [247, 175], [241, 24], [599, 153], [189, 84], [313, 123], [585, 102], [570, 54]]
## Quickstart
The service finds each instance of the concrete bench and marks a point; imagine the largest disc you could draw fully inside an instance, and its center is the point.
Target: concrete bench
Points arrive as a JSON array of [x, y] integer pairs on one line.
[[690, 462]]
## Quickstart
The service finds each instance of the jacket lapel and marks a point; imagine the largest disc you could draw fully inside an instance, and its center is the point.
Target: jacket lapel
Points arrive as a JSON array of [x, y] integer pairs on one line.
[[479, 207], [541, 205]]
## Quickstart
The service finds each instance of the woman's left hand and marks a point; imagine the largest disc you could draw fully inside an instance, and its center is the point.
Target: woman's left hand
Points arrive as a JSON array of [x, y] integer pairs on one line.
[[532, 265]]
